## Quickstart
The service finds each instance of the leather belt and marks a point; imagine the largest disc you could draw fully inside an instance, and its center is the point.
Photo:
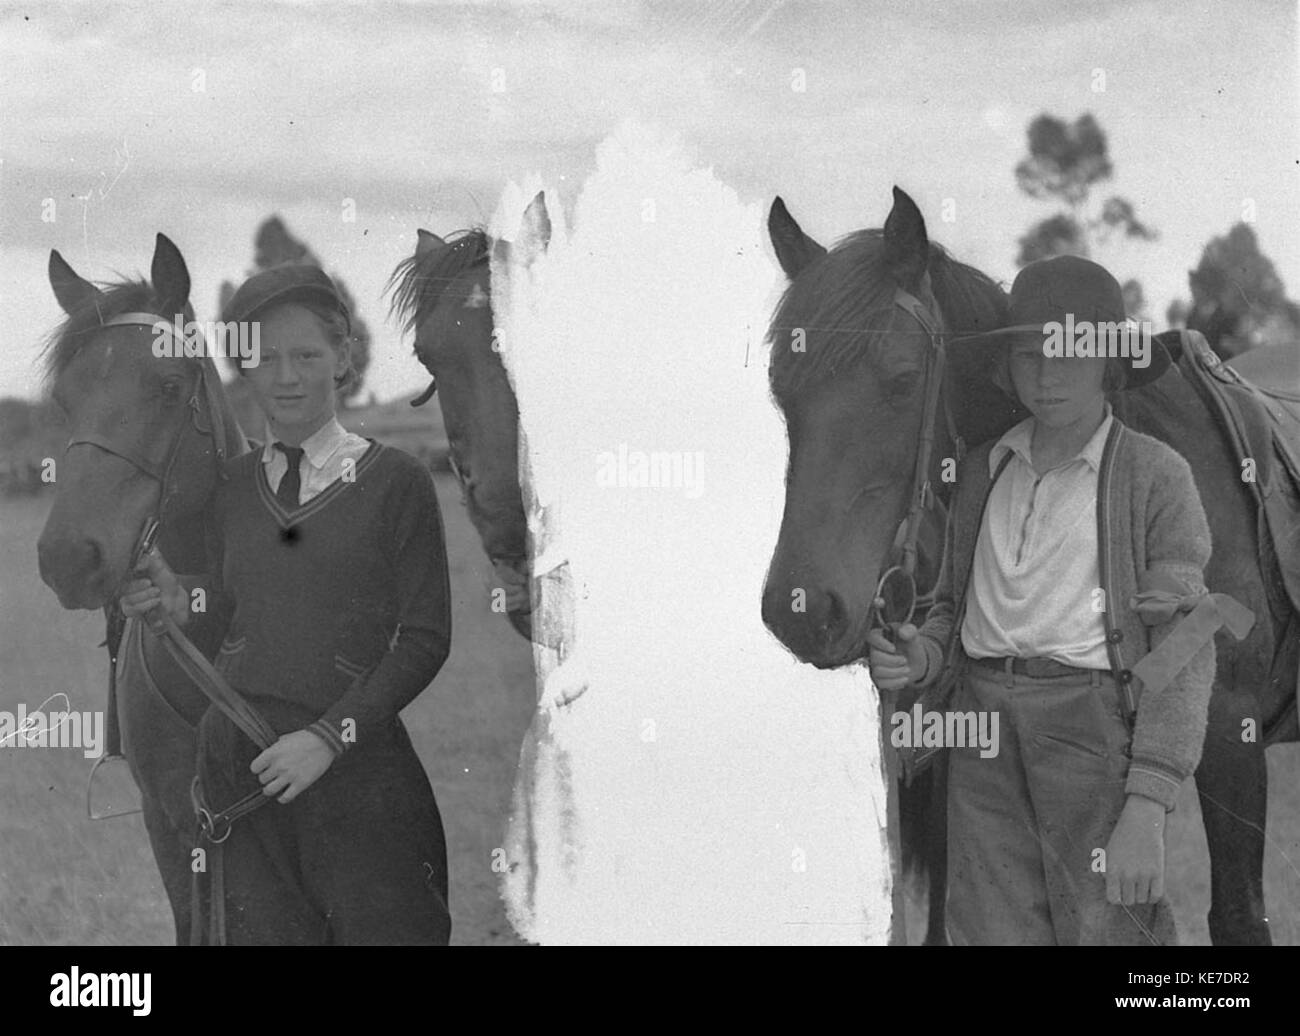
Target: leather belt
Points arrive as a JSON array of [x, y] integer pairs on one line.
[[1034, 667]]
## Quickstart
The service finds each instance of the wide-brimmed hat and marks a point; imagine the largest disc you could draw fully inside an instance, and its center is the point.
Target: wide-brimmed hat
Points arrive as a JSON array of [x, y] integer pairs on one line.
[[1070, 291], [291, 282]]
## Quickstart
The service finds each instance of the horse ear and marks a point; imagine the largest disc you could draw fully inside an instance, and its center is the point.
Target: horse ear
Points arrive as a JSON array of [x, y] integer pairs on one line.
[[72, 291], [795, 250], [501, 252], [171, 279], [534, 231], [530, 242], [427, 241], [907, 247]]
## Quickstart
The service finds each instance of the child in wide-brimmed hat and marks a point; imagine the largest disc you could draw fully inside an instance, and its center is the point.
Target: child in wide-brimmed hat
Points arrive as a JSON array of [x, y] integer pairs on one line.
[[1056, 529], [335, 562]]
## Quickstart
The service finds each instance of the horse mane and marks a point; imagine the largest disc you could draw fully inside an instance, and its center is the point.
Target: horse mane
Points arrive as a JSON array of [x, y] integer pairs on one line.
[[67, 340], [844, 292], [420, 282]]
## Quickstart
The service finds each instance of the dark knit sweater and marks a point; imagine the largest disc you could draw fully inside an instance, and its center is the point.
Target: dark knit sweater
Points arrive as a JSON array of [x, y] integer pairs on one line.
[[343, 605]]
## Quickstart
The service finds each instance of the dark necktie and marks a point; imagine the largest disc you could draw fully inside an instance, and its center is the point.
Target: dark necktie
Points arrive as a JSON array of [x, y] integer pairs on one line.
[[291, 483]]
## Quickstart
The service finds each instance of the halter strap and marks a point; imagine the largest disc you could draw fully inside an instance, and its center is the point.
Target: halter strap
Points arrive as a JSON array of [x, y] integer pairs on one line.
[[161, 473], [208, 375], [917, 309], [935, 366], [922, 495], [148, 319], [206, 385]]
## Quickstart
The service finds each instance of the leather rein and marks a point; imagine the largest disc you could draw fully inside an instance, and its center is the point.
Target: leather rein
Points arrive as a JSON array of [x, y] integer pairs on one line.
[[897, 599], [187, 656]]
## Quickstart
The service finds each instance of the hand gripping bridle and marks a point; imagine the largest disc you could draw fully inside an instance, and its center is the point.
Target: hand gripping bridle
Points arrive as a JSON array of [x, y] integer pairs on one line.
[[897, 590], [188, 657]]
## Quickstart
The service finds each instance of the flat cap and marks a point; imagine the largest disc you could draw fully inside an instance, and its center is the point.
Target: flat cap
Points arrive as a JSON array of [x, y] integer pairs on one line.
[[289, 282]]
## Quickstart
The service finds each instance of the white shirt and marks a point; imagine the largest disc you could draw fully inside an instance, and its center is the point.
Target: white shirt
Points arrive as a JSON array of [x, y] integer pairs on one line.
[[328, 453], [1036, 577]]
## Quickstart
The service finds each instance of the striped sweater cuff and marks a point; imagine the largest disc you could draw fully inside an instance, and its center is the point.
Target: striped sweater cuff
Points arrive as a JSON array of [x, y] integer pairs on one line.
[[1154, 779], [329, 735]]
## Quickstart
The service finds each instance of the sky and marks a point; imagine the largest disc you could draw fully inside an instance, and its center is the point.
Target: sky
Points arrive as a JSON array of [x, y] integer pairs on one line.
[[359, 122]]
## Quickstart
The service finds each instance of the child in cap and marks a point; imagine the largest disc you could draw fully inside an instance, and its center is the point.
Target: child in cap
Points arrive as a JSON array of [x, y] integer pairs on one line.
[[336, 567]]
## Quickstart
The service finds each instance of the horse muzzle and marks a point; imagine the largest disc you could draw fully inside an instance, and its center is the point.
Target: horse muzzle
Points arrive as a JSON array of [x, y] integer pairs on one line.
[[815, 625], [76, 569]]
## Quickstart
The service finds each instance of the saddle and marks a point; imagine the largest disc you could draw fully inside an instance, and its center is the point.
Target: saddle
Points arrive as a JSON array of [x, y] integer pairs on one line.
[[1276, 370], [1262, 428]]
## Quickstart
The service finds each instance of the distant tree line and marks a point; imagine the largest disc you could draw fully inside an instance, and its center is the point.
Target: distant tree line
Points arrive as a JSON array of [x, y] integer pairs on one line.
[[1238, 300]]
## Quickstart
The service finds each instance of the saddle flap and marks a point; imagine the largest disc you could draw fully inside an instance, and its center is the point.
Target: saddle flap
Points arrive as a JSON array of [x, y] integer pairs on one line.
[[1261, 433]]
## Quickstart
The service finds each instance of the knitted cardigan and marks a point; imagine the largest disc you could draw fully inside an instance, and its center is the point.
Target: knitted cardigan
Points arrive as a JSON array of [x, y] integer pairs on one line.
[[1150, 520]]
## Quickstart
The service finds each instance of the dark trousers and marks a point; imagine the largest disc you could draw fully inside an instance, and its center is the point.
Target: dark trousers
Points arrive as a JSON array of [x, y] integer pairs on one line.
[[359, 858], [1024, 826]]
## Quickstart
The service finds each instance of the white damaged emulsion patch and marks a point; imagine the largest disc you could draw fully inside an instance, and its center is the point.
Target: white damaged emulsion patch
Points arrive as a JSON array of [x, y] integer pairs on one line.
[[685, 779]]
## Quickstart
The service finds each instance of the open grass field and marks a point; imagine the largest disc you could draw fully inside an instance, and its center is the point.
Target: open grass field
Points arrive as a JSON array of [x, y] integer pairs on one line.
[[66, 880]]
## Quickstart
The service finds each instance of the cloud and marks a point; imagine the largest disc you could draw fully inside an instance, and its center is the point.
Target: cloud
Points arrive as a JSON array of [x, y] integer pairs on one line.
[[420, 112]]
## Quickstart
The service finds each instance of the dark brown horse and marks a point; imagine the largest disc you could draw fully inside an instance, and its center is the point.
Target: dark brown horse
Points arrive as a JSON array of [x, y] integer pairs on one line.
[[852, 398], [148, 434], [443, 294]]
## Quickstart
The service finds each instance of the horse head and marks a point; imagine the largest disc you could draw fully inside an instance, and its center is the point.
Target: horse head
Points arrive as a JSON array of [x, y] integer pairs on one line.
[[148, 423], [443, 293], [848, 369]]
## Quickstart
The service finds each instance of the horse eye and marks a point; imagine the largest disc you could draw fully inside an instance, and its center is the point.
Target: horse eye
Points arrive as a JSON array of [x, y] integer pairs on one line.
[[171, 392]]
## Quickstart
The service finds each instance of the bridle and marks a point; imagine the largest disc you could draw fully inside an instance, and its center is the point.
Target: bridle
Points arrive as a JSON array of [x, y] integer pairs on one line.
[[214, 827], [162, 473], [896, 599], [203, 396], [511, 561]]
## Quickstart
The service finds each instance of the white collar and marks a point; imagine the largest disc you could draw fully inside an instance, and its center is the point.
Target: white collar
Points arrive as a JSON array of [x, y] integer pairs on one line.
[[319, 446], [1018, 441]]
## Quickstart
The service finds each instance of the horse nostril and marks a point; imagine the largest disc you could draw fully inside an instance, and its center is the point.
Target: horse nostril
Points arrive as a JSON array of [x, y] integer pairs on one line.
[[834, 618], [71, 566]]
